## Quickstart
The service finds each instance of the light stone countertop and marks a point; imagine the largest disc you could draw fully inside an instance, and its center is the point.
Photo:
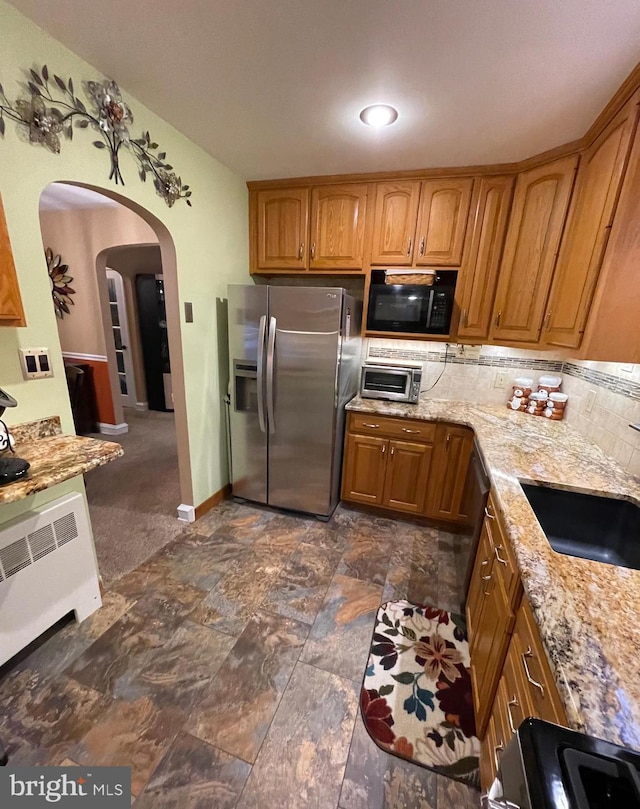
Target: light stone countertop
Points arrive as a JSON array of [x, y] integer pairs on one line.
[[588, 612], [53, 457]]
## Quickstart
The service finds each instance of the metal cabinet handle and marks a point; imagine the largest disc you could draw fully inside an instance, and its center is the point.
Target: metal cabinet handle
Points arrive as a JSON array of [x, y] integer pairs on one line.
[[488, 514], [413, 432], [373, 426], [499, 558], [384, 448], [448, 442], [487, 579], [422, 242], [313, 250], [533, 682], [409, 246], [301, 250], [498, 318], [393, 449], [497, 749], [547, 320], [513, 703], [465, 319]]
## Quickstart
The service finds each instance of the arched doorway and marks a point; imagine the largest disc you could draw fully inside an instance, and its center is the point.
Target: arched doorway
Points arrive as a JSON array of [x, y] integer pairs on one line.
[[93, 225]]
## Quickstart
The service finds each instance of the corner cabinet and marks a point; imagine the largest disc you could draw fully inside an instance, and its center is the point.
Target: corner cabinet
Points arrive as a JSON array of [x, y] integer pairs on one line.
[[406, 465], [11, 311], [302, 229], [537, 219]]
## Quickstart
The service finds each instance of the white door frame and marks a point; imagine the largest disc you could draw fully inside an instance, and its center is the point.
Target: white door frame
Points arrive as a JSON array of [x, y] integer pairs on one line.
[[129, 398]]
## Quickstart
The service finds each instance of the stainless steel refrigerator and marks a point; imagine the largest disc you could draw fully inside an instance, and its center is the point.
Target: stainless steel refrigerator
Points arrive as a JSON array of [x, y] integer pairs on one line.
[[294, 356]]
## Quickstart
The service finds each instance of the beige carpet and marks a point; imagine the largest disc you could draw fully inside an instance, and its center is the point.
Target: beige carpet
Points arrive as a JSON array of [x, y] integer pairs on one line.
[[133, 500]]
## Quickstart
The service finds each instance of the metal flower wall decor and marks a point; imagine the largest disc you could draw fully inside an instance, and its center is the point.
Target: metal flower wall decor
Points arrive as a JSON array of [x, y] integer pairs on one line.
[[60, 289], [53, 109]]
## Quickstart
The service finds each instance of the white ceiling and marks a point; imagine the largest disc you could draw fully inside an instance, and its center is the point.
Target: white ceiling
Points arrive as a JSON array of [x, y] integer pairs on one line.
[[273, 88], [63, 197]]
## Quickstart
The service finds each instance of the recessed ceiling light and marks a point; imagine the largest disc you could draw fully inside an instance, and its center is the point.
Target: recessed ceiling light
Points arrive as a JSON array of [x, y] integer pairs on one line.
[[378, 115]]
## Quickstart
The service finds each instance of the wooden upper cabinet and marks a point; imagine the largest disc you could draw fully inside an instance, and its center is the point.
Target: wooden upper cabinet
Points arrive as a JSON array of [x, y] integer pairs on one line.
[[11, 311], [537, 218], [282, 227], [338, 215], [442, 221], [486, 232], [594, 200], [394, 222]]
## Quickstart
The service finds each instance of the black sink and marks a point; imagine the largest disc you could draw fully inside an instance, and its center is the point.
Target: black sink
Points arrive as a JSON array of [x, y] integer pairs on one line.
[[600, 528]]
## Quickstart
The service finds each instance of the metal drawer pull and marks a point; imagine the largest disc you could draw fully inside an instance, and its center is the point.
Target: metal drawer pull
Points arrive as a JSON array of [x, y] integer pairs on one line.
[[409, 245], [533, 682], [513, 703], [497, 749], [487, 579], [301, 250], [373, 426], [413, 432], [488, 514], [499, 558], [393, 449], [384, 447]]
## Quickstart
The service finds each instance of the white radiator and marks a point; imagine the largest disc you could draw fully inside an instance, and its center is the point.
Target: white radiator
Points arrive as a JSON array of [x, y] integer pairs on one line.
[[47, 569]]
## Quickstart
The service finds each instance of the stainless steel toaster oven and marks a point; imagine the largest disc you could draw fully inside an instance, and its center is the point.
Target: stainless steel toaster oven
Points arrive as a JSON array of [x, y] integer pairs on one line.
[[399, 383]]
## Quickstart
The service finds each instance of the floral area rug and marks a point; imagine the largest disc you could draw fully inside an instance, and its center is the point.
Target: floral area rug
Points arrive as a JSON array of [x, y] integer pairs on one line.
[[416, 699]]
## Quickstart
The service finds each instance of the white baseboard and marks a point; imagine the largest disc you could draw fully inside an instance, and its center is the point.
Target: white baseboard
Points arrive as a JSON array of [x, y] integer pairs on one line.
[[142, 406], [186, 513], [113, 429]]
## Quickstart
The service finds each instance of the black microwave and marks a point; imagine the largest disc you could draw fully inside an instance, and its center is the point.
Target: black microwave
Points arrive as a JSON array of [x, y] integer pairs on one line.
[[411, 308]]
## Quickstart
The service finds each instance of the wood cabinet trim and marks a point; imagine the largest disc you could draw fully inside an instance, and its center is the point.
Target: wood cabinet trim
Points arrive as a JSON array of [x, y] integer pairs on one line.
[[11, 309]]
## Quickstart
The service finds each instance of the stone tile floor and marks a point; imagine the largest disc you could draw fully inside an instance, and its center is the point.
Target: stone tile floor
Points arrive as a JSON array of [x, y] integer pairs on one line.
[[226, 669]]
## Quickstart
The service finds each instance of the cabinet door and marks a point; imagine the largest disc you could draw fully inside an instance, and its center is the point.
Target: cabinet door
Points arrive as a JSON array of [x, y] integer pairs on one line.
[[442, 221], [364, 468], [337, 227], [282, 226], [537, 218], [480, 575], [407, 474], [490, 646], [394, 222], [11, 311], [597, 186], [479, 274], [453, 450]]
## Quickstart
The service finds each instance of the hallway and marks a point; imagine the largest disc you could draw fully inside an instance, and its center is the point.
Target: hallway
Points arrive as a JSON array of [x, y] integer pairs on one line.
[[133, 502]]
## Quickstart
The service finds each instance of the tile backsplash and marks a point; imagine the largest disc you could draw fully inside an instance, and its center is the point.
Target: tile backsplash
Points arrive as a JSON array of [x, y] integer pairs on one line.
[[604, 398]]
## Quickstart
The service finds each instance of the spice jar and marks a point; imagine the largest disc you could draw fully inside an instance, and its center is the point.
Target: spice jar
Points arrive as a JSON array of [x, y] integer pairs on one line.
[[523, 385], [550, 384]]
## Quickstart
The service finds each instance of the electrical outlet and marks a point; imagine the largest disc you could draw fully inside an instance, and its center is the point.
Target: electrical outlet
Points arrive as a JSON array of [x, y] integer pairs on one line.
[[626, 369], [501, 379], [472, 352], [35, 363], [589, 401]]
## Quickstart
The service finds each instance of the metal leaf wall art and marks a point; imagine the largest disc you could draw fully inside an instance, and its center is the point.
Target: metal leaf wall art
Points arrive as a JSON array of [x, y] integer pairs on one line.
[[60, 290], [53, 110]]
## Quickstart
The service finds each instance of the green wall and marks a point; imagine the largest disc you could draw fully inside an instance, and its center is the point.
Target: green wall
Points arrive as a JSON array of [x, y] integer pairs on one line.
[[211, 244]]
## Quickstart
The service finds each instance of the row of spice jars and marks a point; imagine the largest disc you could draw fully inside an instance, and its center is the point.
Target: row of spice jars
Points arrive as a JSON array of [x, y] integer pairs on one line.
[[547, 401]]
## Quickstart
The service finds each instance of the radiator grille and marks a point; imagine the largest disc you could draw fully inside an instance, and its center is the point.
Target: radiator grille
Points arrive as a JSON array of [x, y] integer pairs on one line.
[[39, 543]]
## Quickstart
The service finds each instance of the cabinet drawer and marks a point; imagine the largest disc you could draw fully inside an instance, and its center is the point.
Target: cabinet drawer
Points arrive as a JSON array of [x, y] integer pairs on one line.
[[505, 560], [534, 668], [408, 429]]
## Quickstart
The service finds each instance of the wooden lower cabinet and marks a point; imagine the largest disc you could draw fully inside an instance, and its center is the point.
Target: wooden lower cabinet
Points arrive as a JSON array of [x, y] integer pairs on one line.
[[407, 475], [453, 450], [479, 577], [364, 469]]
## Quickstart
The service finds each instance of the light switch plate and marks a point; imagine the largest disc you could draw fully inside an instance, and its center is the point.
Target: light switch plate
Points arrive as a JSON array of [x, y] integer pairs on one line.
[[501, 379], [35, 363], [589, 401]]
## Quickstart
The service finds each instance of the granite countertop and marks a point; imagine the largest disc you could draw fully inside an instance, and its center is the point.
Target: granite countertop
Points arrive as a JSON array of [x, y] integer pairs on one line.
[[54, 457], [588, 612]]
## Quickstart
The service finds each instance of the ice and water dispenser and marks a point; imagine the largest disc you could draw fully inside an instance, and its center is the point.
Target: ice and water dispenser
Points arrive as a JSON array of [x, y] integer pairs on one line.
[[245, 381]]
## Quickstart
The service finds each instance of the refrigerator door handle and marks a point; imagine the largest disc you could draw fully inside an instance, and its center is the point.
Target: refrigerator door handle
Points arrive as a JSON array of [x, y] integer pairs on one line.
[[262, 328], [271, 345]]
